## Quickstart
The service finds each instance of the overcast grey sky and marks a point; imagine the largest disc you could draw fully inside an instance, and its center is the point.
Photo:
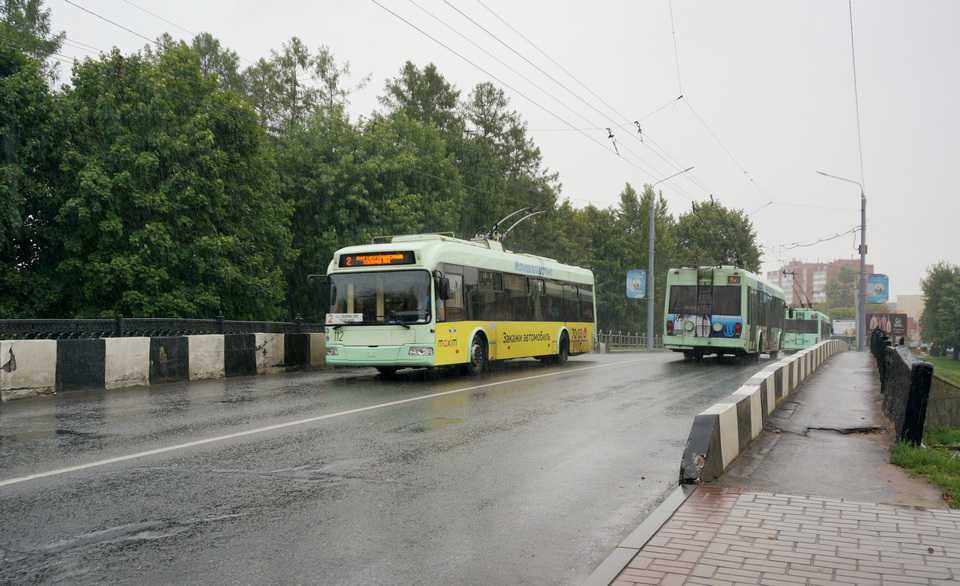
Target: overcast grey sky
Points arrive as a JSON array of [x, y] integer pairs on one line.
[[772, 78]]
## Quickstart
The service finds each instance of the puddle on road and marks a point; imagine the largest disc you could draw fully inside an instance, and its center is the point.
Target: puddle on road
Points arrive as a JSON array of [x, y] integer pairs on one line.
[[432, 424]]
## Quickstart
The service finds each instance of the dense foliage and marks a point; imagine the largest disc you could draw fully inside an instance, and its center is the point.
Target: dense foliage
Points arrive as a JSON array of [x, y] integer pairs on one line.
[[171, 182], [940, 322]]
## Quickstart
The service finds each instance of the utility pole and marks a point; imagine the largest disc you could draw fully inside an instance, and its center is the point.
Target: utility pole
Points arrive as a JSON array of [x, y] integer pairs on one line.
[[862, 289], [651, 232], [862, 300]]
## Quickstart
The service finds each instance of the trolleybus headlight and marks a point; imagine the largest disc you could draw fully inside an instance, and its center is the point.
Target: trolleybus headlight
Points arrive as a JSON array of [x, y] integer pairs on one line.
[[421, 351], [717, 327], [331, 351]]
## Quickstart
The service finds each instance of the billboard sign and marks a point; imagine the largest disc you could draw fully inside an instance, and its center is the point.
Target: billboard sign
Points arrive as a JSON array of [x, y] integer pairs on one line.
[[878, 289], [845, 327], [892, 324], [636, 284]]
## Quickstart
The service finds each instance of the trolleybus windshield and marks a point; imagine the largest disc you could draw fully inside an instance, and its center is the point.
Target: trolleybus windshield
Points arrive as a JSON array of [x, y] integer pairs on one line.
[[382, 297]]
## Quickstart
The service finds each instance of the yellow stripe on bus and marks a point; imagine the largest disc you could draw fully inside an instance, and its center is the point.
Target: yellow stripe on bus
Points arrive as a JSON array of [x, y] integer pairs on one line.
[[510, 339]]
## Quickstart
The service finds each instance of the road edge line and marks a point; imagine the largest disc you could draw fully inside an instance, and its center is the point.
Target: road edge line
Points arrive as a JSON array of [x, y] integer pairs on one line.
[[623, 554]]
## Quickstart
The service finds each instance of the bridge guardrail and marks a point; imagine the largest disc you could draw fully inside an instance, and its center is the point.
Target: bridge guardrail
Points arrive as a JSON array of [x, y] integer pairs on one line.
[[122, 327]]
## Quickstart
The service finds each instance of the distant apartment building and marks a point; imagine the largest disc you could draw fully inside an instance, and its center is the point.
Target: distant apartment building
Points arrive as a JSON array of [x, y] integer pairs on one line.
[[806, 282]]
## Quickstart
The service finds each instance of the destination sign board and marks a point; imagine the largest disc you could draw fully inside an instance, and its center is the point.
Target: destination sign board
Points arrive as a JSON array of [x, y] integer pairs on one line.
[[376, 259]]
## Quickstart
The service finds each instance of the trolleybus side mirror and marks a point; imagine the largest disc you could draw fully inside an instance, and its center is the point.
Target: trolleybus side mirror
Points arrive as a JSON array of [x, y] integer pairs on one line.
[[322, 283]]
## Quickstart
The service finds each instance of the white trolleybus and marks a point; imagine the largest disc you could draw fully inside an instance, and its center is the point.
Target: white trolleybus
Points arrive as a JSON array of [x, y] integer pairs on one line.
[[722, 310], [431, 300]]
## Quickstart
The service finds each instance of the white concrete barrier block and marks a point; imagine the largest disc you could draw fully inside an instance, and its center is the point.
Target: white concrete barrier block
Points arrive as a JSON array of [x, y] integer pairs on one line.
[[318, 350], [206, 356], [126, 362], [729, 435], [752, 394], [27, 368], [269, 353]]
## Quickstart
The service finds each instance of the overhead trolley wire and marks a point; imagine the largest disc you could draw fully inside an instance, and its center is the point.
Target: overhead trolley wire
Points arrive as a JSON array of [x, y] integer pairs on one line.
[[494, 77], [114, 23], [542, 71], [676, 48], [155, 15], [856, 92], [630, 130], [820, 240], [515, 71]]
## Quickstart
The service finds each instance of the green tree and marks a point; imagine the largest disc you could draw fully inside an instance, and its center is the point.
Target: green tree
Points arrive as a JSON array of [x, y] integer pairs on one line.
[[841, 290], [217, 60], [347, 184], [711, 234], [170, 202], [940, 322], [424, 95], [25, 25], [294, 83], [29, 157]]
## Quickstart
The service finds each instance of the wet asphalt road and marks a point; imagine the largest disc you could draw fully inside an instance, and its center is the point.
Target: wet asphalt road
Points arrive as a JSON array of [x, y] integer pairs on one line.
[[531, 474]]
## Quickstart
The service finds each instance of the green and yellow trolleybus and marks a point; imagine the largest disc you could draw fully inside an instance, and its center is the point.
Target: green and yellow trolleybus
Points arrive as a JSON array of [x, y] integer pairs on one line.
[[805, 327], [434, 300], [722, 310]]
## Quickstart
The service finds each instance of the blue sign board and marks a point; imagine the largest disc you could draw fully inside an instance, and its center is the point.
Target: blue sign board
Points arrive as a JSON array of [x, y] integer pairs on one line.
[[636, 284], [878, 289]]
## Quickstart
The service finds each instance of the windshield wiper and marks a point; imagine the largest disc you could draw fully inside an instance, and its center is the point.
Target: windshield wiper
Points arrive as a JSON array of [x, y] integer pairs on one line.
[[397, 320]]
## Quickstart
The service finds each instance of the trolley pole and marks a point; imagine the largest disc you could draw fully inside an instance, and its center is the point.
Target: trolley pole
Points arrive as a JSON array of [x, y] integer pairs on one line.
[[651, 232]]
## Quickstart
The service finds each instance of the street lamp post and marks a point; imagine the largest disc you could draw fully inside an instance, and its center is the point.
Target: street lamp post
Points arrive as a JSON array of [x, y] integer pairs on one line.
[[862, 289], [652, 221]]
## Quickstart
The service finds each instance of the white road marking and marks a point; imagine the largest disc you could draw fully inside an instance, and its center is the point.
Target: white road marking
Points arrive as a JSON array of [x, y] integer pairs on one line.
[[219, 438]]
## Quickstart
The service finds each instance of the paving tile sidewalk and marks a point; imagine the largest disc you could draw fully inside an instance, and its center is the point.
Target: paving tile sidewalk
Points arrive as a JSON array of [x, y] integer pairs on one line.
[[728, 535], [755, 526]]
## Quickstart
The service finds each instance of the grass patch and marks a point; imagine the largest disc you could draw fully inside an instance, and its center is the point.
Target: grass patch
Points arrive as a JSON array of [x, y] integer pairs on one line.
[[946, 436], [946, 368], [938, 465]]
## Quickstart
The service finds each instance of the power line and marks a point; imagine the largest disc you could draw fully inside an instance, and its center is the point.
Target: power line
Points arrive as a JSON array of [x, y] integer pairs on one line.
[[80, 45], [542, 71], [820, 240], [491, 75], [676, 50], [512, 69], [114, 23], [856, 92], [155, 15], [549, 58], [629, 130]]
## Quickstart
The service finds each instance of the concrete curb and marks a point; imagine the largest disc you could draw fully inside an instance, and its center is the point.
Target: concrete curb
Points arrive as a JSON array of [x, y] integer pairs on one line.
[[725, 429], [46, 367], [611, 567]]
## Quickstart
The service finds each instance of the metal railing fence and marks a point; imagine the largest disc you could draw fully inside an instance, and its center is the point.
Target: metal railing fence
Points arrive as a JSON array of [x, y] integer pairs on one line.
[[54, 329]]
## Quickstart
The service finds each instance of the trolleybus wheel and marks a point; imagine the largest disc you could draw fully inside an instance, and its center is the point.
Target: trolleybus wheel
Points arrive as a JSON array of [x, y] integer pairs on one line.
[[478, 356]]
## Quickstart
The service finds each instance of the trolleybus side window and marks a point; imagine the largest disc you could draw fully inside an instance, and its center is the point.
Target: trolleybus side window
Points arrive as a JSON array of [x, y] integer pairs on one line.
[[516, 298], [553, 301], [537, 298], [454, 306], [586, 303], [571, 303], [726, 300]]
